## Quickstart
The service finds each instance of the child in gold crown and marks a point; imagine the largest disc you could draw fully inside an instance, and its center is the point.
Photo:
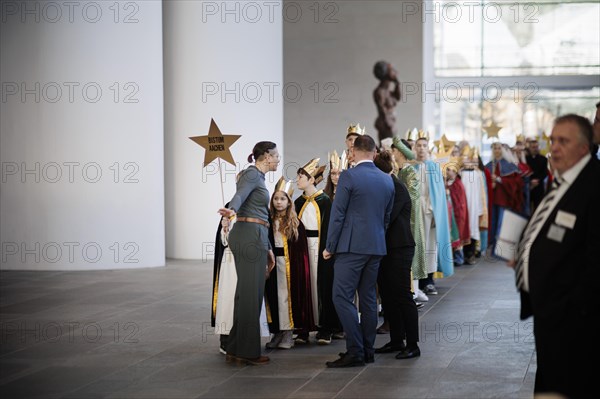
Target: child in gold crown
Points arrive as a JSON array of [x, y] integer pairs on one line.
[[288, 290], [313, 208]]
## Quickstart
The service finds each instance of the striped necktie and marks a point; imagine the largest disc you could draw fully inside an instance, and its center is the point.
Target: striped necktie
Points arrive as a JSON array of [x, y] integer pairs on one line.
[[531, 227]]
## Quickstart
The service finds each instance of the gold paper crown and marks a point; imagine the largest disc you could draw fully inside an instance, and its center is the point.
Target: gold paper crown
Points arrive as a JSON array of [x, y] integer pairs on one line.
[[313, 169], [284, 185], [521, 138], [423, 135], [356, 129], [411, 134], [335, 162], [344, 160], [454, 163], [466, 151]]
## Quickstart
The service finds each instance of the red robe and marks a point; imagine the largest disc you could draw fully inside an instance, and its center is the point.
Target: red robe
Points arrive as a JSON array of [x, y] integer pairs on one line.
[[525, 169], [461, 212], [509, 193], [300, 290]]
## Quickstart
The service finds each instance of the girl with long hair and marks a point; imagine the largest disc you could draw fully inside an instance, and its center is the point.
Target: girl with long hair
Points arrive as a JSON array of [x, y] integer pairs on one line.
[[288, 290]]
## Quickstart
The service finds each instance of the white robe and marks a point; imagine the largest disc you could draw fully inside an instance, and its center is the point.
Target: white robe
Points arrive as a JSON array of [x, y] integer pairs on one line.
[[431, 247], [226, 294], [310, 219], [473, 182]]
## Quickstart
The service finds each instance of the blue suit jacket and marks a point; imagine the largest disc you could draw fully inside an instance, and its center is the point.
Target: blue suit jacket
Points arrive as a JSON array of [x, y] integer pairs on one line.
[[361, 211]]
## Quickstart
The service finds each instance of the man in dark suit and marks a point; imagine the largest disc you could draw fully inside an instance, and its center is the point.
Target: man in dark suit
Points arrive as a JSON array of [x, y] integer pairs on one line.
[[557, 250], [394, 279], [359, 217], [539, 166]]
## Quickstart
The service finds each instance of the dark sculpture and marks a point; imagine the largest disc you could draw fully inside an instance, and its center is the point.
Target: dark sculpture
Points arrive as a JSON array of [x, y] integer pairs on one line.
[[386, 96]]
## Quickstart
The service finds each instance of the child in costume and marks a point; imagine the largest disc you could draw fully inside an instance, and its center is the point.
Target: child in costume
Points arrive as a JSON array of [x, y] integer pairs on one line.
[[288, 289]]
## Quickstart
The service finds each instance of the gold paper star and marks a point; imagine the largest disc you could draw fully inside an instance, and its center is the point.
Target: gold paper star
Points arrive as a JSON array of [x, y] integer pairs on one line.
[[546, 140], [216, 144], [492, 130], [447, 143]]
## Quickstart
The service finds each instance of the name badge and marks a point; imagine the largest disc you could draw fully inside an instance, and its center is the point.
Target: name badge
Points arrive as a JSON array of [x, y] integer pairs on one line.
[[556, 233], [565, 219]]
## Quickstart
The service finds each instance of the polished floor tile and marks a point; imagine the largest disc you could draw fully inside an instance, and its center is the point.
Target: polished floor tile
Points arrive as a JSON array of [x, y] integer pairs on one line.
[[146, 333]]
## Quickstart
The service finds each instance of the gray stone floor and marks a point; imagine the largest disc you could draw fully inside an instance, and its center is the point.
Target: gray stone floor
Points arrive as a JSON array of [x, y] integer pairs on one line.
[[146, 334]]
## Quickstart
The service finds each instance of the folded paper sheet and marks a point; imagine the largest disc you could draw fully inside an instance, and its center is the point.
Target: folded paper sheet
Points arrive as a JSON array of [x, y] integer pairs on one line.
[[510, 232]]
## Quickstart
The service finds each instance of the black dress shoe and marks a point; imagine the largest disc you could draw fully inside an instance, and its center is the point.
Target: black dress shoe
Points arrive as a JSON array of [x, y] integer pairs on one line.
[[389, 348], [346, 361], [369, 358], [409, 353]]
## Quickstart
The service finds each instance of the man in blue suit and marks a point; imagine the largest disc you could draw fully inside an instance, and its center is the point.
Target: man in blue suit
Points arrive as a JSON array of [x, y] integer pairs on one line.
[[359, 218]]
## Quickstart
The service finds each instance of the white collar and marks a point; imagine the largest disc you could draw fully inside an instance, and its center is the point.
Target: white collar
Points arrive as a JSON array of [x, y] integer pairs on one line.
[[363, 161], [571, 174]]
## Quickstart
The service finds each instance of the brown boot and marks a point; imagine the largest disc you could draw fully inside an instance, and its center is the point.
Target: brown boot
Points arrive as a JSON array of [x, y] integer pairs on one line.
[[245, 361]]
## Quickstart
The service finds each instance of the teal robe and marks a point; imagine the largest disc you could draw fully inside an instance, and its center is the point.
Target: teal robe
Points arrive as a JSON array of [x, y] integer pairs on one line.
[[437, 194]]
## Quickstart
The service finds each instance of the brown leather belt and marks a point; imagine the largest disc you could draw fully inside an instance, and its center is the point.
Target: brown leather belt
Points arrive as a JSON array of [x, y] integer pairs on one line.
[[252, 220]]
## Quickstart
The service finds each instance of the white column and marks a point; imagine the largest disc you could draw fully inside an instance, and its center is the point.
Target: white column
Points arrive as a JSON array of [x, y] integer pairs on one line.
[[82, 180], [222, 60]]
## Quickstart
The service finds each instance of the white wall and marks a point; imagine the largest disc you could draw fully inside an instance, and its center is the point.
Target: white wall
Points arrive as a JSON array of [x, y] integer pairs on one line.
[[332, 52], [222, 60], [217, 55], [82, 171]]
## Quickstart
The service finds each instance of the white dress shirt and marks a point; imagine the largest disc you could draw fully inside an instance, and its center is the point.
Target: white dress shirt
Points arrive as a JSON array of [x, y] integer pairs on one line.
[[566, 180]]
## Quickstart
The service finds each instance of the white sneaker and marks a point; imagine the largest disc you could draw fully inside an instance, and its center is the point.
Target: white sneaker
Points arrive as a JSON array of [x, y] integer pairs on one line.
[[420, 296], [287, 340]]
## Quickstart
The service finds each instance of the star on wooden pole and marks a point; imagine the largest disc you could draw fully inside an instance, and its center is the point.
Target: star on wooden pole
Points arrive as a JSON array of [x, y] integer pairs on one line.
[[216, 144], [492, 130]]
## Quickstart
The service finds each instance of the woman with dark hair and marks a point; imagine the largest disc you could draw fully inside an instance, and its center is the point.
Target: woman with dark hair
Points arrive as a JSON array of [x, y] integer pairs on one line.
[[394, 278], [224, 284], [249, 242]]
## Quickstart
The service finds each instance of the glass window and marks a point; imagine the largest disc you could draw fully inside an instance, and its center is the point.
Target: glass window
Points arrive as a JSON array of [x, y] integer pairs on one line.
[[526, 112], [492, 38]]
